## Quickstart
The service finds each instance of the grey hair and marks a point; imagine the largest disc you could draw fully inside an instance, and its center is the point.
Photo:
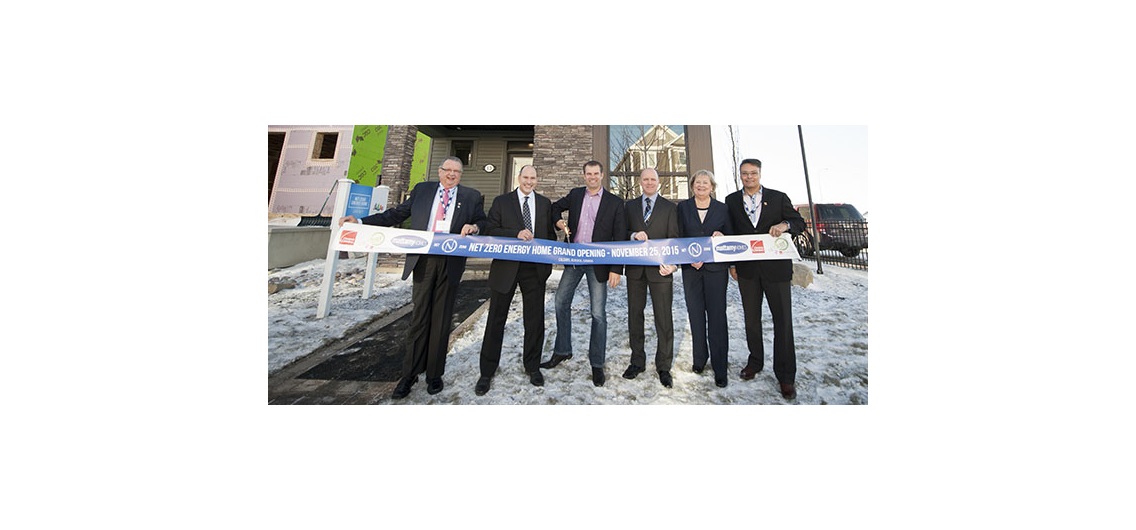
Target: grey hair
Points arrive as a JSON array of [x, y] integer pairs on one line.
[[713, 183], [451, 159]]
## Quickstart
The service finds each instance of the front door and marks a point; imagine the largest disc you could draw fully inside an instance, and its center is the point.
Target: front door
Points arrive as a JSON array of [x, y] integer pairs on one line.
[[516, 162]]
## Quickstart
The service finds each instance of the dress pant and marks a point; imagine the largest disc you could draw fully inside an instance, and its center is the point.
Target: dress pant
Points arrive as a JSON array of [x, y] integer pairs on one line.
[[532, 284], [662, 296], [705, 293], [431, 320], [781, 308]]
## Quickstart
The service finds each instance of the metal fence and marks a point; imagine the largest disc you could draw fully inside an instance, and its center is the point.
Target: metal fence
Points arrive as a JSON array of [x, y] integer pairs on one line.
[[843, 243]]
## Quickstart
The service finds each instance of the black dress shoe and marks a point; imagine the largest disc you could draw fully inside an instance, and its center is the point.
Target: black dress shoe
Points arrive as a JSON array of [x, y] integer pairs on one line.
[[789, 391], [482, 386], [665, 379], [597, 376], [403, 388], [750, 371], [555, 360], [720, 381], [433, 386], [699, 369], [536, 378], [632, 371]]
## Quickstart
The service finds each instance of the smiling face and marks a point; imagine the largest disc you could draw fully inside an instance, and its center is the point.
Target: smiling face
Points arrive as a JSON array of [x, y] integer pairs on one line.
[[649, 181], [526, 181], [593, 177], [702, 186], [450, 174], [751, 178]]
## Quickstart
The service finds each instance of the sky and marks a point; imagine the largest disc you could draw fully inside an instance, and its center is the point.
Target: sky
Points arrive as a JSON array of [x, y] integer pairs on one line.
[[837, 156]]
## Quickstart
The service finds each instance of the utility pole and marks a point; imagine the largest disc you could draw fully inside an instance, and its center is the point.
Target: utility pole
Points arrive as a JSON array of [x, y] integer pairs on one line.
[[812, 209]]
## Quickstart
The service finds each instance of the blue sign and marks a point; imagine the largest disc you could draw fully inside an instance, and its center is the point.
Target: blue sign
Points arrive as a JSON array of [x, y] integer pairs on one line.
[[359, 200]]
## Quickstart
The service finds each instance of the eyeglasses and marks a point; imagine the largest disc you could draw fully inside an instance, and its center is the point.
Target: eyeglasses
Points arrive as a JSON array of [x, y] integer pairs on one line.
[[448, 170], [750, 173]]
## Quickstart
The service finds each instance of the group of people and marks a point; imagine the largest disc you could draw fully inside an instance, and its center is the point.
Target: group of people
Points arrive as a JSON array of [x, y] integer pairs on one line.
[[597, 215]]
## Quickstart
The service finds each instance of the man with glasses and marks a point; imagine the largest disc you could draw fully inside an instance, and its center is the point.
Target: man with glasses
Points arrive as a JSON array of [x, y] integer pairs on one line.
[[758, 210], [594, 214], [441, 206]]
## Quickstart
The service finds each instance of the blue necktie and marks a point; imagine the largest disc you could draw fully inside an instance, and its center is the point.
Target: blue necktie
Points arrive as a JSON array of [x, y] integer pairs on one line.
[[647, 210]]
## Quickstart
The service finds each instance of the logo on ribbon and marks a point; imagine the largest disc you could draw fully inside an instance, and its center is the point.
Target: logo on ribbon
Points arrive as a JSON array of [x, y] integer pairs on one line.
[[732, 247], [694, 249], [408, 242], [348, 237]]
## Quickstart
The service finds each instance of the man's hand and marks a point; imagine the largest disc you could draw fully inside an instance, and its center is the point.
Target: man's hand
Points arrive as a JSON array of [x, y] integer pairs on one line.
[[612, 280], [347, 219], [734, 273], [562, 225], [639, 236], [776, 229], [525, 235], [469, 229], [666, 270]]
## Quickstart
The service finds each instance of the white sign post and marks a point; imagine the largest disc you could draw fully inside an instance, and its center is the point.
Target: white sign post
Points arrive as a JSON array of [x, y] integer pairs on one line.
[[328, 284], [378, 205]]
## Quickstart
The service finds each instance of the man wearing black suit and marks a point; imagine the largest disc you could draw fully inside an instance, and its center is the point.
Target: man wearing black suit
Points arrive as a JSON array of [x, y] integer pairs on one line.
[[758, 210], [594, 214], [441, 206], [650, 216], [523, 214]]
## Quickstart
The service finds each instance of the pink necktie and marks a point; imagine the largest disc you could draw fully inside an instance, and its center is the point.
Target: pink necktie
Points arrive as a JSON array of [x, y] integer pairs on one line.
[[442, 205]]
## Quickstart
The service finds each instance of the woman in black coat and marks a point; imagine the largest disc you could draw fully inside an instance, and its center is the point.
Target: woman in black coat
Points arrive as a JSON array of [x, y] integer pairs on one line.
[[704, 284]]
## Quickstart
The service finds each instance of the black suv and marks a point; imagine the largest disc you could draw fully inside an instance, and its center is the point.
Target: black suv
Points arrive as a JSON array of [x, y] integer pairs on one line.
[[841, 228]]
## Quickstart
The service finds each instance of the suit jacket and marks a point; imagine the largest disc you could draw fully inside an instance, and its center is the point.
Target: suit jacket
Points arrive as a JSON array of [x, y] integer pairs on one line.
[[690, 225], [662, 224], [776, 207], [611, 224], [469, 209], [506, 220]]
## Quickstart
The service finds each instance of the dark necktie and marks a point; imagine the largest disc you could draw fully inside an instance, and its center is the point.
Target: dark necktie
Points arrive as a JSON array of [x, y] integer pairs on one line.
[[527, 214], [647, 210]]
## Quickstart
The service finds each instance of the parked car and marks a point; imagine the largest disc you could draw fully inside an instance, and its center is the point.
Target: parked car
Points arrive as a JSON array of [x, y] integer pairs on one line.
[[840, 226]]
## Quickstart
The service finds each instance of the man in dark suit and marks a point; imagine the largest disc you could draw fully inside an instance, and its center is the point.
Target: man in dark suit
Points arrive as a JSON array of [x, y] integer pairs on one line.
[[594, 214], [523, 214], [650, 216], [758, 210], [441, 206]]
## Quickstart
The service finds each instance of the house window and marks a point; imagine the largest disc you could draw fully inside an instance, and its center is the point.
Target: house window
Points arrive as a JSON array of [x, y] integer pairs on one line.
[[633, 148], [324, 148], [462, 149]]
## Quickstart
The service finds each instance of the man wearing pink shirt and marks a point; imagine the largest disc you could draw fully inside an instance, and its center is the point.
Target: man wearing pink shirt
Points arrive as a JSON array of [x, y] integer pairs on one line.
[[594, 215]]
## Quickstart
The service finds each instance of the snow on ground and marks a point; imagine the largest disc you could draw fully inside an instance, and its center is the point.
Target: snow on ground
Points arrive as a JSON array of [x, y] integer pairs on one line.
[[830, 321]]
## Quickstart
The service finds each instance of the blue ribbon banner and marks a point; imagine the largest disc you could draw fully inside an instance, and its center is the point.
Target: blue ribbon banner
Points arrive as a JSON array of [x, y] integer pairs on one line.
[[365, 238]]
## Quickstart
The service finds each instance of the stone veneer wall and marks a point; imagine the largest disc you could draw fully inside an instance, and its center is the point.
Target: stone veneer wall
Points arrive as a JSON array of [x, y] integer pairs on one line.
[[398, 156], [559, 153]]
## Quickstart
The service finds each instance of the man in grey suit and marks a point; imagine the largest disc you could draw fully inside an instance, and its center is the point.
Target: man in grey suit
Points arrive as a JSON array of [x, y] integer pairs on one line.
[[440, 206], [525, 215], [650, 216]]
